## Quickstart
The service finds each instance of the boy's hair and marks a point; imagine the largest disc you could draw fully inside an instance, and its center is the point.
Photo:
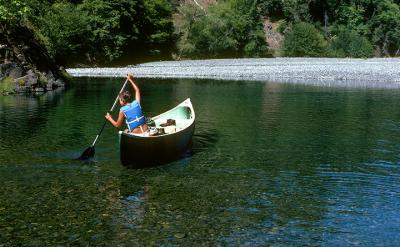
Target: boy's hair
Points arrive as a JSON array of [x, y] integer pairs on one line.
[[125, 96]]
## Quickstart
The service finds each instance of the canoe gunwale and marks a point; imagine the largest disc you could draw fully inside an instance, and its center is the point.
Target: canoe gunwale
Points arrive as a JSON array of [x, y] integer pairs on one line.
[[185, 103]]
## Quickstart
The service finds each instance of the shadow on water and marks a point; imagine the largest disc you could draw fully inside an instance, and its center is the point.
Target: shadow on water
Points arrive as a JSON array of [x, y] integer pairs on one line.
[[27, 114]]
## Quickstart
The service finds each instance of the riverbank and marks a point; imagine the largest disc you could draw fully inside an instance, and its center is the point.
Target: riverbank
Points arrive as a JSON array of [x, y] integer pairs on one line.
[[375, 72], [25, 64]]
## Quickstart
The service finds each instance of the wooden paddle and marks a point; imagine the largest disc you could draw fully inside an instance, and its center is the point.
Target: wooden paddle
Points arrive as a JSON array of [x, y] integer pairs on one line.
[[89, 152]]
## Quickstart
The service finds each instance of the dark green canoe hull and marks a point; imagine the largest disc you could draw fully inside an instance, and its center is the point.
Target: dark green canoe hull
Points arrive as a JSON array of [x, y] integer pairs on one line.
[[140, 152]]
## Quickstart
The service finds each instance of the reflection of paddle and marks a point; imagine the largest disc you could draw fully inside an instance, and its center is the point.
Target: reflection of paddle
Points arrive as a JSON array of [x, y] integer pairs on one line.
[[89, 152]]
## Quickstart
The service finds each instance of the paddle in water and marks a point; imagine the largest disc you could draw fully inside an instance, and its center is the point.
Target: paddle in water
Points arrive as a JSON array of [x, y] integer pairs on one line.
[[90, 151]]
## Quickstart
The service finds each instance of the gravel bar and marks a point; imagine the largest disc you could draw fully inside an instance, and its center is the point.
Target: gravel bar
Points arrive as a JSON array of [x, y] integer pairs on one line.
[[375, 72]]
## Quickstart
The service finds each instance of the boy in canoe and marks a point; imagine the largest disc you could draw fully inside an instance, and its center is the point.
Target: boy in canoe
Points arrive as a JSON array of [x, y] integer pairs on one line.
[[131, 112]]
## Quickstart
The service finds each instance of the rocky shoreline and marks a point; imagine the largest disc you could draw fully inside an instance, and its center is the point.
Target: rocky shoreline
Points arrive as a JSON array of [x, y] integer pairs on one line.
[[17, 79], [375, 72], [26, 66]]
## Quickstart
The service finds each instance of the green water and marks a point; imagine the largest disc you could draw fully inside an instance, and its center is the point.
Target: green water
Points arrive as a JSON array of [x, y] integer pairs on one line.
[[272, 164]]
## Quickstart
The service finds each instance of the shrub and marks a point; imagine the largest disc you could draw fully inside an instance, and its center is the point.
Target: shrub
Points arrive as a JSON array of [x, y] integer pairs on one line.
[[282, 25], [66, 76], [347, 43], [6, 85], [21, 83], [42, 80], [386, 23], [304, 40]]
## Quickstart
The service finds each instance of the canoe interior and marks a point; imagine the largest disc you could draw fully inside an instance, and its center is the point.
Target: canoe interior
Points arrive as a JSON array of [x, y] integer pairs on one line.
[[182, 115]]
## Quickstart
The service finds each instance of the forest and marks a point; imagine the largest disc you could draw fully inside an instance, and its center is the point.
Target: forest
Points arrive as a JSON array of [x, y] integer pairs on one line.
[[99, 32]]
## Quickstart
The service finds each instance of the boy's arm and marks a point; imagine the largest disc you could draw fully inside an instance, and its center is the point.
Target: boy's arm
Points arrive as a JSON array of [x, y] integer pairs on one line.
[[135, 87], [119, 121]]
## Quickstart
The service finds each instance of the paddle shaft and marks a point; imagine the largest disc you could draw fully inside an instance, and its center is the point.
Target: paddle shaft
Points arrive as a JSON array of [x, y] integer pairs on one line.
[[112, 108]]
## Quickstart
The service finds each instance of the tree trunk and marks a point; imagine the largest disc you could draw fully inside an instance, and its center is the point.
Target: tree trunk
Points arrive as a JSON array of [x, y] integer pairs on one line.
[[6, 56], [385, 46], [326, 19]]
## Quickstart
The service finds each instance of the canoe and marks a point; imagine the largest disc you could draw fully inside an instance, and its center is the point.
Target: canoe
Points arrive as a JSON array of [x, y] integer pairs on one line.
[[138, 151]]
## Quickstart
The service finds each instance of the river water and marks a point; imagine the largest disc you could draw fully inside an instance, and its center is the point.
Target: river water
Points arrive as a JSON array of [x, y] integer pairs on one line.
[[272, 164]]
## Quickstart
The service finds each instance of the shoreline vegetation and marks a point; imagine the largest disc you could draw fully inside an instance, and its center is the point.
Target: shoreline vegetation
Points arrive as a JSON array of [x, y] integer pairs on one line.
[[373, 72], [100, 33]]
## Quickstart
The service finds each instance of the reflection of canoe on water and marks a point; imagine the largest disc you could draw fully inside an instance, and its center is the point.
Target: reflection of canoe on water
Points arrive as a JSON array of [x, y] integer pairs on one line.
[[139, 151]]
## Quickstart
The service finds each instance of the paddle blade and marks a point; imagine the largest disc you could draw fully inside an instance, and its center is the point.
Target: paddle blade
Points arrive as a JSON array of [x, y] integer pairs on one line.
[[87, 154]]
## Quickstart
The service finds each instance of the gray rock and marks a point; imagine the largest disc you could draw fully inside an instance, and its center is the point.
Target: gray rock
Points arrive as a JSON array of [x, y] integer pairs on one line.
[[15, 72], [29, 80], [51, 81], [21, 57], [49, 86], [374, 72], [22, 89], [59, 83], [50, 77], [6, 67]]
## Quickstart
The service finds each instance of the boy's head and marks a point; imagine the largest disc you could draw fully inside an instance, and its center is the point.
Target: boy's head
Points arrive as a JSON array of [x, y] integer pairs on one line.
[[124, 97]]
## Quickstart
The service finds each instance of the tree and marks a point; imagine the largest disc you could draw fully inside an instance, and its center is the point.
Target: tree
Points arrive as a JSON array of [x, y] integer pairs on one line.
[[304, 40], [12, 11], [103, 32], [157, 28], [226, 29], [352, 16], [348, 43], [292, 10], [112, 25], [66, 31], [386, 25]]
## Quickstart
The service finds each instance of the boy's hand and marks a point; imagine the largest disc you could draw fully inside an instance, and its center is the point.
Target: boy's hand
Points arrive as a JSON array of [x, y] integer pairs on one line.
[[108, 116]]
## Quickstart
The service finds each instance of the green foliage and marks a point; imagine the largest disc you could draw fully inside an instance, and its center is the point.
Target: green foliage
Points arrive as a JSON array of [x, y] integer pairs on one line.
[[109, 32], [11, 11], [296, 10], [6, 85], [101, 31], [352, 15], [292, 10], [157, 22], [270, 8], [66, 77], [104, 32], [304, 40], [188, 15], [256, 46], [348, 43], [386, 25], [231, 28], [21, 82], [42, 80], [65, 30], [377, 21], [282, 25]]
